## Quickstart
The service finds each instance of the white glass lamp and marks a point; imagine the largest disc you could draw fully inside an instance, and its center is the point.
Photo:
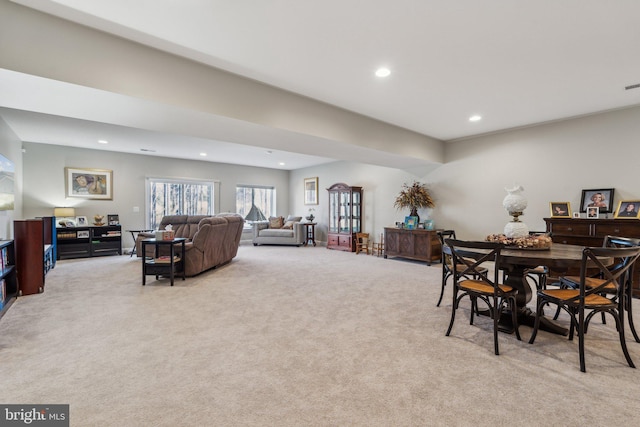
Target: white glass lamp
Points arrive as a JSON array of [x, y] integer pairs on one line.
[[515, 204]]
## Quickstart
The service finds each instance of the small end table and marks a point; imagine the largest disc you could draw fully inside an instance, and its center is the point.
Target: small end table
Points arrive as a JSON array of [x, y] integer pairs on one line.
[[134, 234], [310, 233], [156, 266]]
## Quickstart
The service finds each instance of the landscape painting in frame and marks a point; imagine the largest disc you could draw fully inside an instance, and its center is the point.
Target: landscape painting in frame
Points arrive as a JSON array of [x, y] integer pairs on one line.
[[89, 183], [7, 178]]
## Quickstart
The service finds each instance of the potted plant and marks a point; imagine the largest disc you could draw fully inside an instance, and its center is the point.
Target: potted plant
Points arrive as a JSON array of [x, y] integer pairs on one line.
[[414, 196]]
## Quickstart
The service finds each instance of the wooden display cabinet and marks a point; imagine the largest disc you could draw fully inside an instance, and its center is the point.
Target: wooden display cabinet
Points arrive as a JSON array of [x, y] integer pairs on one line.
[[345, 216]]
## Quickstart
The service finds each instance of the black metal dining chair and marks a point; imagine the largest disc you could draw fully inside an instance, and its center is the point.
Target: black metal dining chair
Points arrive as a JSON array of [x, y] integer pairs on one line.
[[573, 282], [497, 296], [590, 298], [447, 262]]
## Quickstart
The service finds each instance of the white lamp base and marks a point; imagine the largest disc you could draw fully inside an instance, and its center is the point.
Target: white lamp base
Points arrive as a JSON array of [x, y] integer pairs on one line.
[[513, 230]]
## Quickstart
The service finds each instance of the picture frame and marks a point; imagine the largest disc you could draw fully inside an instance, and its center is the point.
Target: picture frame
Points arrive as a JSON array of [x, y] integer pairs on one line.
[[410, 222], [113, 219], [428, 224], [81, 221], [600, 198], [311, 191], [593, 212], [560, 209], [576, 215], [83, 234], [86, 183], [628, 209]]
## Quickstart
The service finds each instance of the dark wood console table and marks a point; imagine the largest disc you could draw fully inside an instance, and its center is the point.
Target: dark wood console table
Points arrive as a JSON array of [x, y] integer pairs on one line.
[[591, 232], [419, 244]]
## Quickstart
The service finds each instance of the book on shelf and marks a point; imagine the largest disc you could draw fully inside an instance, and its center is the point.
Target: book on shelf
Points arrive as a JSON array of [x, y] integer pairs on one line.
[[3, 292]]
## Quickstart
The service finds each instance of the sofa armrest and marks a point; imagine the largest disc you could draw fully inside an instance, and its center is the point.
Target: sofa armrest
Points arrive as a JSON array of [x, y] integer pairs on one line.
[[259, 225], [200, 238]]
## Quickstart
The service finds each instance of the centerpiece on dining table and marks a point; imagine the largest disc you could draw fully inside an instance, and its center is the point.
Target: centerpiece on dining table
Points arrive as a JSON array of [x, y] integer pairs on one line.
[[516, 232]]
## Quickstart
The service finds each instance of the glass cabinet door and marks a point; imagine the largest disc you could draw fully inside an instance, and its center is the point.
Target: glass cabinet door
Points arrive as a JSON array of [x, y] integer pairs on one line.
[[345, 207], [357, 213], [334, 212]]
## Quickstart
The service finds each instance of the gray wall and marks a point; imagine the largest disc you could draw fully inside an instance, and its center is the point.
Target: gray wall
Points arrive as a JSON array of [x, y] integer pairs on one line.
[[553, 162], [44, 181], [10, 147]]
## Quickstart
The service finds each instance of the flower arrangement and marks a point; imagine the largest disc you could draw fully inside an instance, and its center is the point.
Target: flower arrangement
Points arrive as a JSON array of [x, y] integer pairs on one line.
[[536, 241], [414, 196]]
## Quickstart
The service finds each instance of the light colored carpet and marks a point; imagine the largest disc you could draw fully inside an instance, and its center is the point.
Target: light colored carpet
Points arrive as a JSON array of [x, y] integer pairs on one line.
[[287, 336]]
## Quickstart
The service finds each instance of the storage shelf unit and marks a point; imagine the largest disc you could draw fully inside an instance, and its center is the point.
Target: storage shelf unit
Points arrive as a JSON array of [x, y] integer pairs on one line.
[[90, 241], [8, 277]]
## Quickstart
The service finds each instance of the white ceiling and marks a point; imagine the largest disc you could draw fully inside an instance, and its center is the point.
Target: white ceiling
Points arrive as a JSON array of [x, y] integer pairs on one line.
[[515, 63]]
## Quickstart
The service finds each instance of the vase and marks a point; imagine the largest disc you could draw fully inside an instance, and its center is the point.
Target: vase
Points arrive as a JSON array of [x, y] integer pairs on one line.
[[414, 212]]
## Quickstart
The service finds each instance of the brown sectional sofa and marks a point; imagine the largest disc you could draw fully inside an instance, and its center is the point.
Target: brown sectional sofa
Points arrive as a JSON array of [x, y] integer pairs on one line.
[[213, 240]]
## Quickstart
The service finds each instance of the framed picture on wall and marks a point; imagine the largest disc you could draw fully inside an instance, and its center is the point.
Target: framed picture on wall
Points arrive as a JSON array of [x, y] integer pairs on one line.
[[89, 183], [601, 199], [560, 209], [311, 191]]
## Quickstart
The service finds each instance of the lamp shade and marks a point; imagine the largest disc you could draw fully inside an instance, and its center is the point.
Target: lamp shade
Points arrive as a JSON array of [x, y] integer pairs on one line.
[[64, 212]]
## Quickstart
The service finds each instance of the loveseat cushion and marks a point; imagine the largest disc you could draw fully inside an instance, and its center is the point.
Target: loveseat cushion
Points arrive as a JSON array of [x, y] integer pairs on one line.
[[291, 220], [276, 222], [276, 232]]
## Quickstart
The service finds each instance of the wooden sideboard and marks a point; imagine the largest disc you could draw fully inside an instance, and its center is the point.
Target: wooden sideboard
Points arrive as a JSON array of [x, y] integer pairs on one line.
[[591, 232], [419, 244]]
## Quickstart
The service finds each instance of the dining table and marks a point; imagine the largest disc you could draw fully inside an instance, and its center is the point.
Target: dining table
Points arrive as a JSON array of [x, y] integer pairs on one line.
[[559, 258]]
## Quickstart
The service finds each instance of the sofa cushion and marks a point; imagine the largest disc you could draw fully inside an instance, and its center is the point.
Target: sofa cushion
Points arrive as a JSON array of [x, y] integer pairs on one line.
[[276, 232], [276, 222], [290, 221]]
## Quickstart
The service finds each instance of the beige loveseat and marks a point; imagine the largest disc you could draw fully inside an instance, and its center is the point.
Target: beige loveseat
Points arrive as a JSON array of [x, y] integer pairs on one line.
[[213, 240], [291, 232]]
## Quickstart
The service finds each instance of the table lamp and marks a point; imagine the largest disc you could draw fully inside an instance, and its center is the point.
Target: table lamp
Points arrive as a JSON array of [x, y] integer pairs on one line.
[[64, 214]]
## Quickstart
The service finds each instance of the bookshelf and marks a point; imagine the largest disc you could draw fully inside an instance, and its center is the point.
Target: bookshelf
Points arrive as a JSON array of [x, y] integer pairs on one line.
[[8, 279], [89, 241]]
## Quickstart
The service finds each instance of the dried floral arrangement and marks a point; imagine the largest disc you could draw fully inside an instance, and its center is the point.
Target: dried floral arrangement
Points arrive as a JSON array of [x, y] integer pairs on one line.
[[412, 196], [536, 241]]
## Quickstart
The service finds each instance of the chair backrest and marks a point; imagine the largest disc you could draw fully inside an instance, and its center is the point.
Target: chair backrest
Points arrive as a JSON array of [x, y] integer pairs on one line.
[[468, 257], [619, 242], [446, 234], [446, 256], [599, 257]]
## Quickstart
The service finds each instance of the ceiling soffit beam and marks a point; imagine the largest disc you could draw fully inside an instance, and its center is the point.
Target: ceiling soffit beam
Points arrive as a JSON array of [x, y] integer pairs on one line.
[[39, 44]]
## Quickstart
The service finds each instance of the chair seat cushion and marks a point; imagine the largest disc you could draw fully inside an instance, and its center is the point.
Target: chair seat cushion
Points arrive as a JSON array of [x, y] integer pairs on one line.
[[482, 287], [568, 294]]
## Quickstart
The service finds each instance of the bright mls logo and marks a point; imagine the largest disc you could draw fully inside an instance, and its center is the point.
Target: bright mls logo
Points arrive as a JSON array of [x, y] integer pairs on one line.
[[36, 415]]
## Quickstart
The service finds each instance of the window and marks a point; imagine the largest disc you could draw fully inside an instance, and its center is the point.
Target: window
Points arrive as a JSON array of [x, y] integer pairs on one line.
[[255, 202], [177, 197]]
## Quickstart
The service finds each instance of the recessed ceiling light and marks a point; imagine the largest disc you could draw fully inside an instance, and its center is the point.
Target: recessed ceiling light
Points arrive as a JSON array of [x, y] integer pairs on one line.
[[475, 118], [281, 163], [203, 154], [383, 72], [103, 141]]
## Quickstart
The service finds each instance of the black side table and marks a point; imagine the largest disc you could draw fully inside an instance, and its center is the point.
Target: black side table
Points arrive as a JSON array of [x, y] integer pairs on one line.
[[159, 266], [309, 233], [134, 234]]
